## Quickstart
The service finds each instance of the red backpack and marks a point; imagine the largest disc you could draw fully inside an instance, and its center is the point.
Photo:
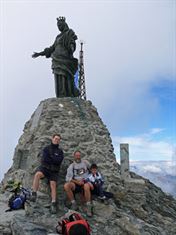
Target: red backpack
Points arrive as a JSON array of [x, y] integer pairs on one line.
[[66, 224]]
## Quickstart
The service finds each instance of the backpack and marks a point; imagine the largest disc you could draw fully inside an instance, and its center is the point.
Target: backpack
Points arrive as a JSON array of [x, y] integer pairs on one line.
[[66, 224], [108, 195], [18, 199]]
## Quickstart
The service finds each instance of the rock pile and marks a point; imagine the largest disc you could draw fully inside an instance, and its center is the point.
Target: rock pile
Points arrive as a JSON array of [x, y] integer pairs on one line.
[[138, 207]]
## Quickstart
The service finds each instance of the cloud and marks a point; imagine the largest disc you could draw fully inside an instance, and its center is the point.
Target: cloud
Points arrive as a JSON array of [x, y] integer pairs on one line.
[[154, 131], [161, 173], [129, 48], [164, 167], [150, 168], [145, 146]]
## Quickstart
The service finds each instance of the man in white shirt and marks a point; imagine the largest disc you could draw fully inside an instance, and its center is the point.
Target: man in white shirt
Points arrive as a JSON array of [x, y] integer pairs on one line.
[[77, 172]]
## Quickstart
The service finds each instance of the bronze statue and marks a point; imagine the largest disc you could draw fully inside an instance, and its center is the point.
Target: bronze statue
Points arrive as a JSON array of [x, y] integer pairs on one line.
[[64, 65]]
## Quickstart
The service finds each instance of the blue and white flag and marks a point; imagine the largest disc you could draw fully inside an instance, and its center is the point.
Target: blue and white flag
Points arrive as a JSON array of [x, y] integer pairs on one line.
[[76, 79]]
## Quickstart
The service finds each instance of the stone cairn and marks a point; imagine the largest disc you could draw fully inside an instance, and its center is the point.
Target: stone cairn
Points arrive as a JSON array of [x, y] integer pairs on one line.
[[138, 206]]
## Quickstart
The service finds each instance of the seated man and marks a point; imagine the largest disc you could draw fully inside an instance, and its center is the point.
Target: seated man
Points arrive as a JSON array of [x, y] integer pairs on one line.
[[77, 172], [50, 164]]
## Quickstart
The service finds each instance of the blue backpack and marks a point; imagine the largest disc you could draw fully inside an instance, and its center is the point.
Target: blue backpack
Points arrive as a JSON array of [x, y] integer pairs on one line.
[[17, 200]]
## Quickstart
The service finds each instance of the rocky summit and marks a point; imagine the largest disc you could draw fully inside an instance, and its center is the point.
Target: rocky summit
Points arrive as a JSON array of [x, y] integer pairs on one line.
[[138, 206]]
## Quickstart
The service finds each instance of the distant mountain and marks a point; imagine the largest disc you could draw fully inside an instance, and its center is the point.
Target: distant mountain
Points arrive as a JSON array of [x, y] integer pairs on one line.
[[161, 173]]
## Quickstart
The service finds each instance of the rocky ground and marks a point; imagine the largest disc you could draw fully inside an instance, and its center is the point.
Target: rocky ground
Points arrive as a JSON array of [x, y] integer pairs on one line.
[[138, 207]]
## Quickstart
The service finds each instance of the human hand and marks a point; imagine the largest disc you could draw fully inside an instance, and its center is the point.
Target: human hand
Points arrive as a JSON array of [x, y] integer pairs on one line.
[[35, 55], [80, 183]]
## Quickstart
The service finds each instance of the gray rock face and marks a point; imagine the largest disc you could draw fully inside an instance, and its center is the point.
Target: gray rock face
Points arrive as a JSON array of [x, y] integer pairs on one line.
[[138, 207]]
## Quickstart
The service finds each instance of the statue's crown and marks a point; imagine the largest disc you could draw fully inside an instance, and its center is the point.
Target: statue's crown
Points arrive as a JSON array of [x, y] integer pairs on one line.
[[61, 19]]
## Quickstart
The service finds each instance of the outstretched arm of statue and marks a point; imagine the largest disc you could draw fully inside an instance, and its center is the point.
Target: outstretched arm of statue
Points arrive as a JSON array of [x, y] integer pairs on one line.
[[46, 52], [37, 54]]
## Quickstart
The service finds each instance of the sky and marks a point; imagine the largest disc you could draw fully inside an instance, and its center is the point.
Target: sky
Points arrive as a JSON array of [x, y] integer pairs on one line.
[[129, 61]]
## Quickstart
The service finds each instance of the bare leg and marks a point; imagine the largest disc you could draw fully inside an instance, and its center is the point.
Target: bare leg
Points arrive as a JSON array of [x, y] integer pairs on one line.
[[87, 192], [87, 195], [53, 190], [69, 188], [36, 180]]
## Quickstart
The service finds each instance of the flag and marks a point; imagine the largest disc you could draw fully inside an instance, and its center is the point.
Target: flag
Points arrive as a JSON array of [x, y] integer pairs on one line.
[[76, 79]]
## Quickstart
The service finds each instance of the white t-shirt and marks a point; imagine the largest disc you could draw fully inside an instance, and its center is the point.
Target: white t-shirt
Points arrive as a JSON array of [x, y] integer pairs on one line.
[[78, 171]]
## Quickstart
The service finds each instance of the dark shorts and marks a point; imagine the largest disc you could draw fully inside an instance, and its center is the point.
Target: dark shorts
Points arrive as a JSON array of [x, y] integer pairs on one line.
[[78, 189], [50, 175], [95, 191]]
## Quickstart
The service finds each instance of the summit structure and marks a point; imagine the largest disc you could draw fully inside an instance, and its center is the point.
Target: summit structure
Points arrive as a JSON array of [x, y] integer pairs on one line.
[[138, 206], [64, 65], [82, 86]]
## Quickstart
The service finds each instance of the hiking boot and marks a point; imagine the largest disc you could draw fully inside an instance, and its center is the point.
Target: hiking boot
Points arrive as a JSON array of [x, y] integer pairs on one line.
[[33, 197], [102, 197], [74, 206], [89, 210], [53, 208]]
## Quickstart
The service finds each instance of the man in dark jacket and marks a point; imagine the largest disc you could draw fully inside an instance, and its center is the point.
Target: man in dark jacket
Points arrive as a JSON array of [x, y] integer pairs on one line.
[[50, 164]]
